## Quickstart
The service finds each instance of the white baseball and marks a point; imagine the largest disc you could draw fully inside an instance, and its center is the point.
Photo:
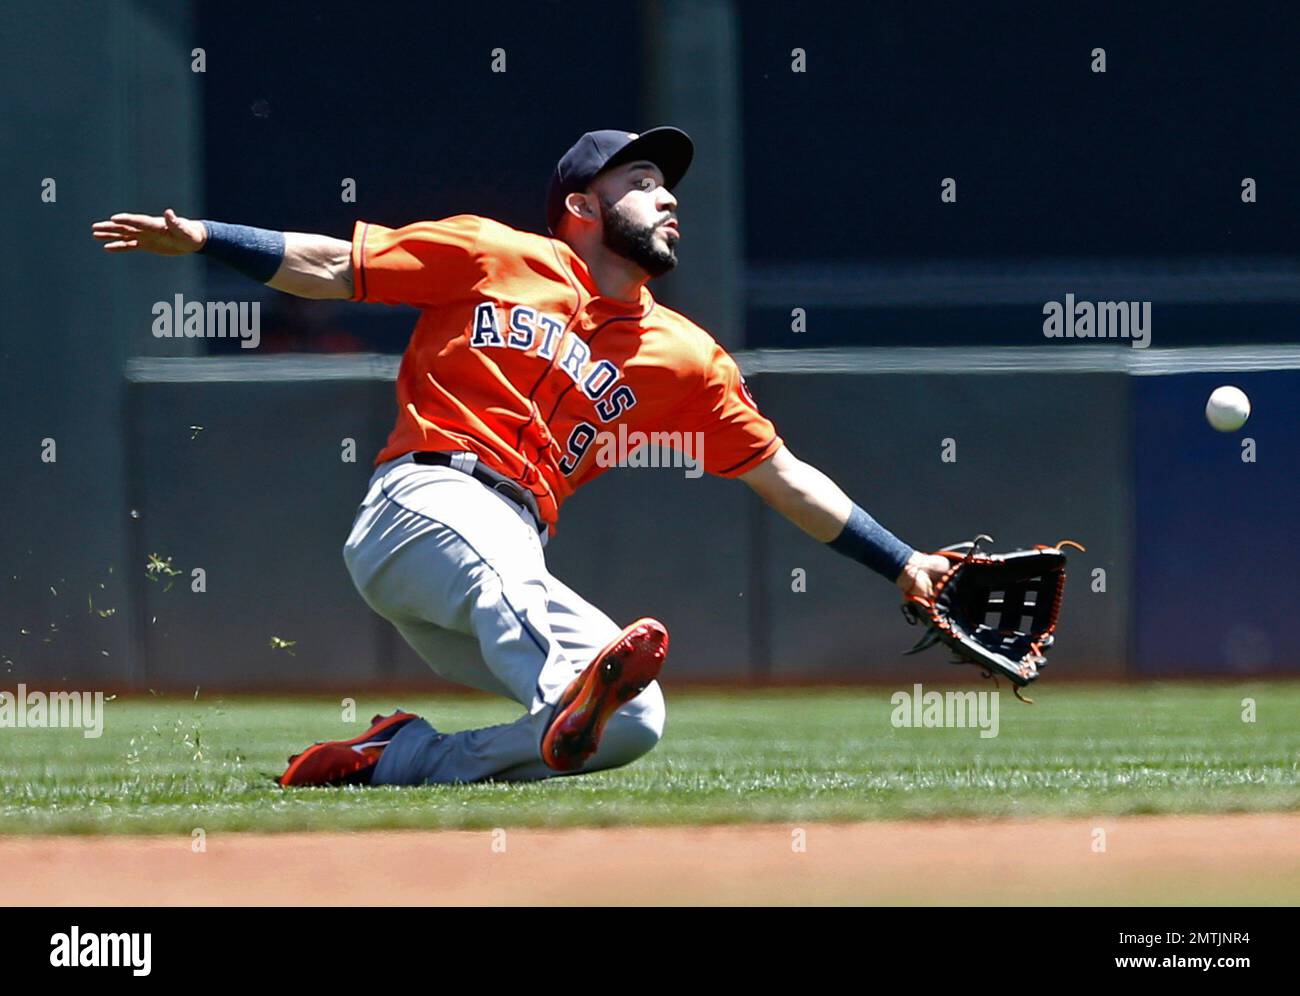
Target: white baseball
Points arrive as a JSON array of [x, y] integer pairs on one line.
[[1228, 408]]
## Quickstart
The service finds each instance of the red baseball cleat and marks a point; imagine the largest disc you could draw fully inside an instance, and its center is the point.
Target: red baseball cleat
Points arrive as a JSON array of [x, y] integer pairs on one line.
[[345, 762], [615, 675]]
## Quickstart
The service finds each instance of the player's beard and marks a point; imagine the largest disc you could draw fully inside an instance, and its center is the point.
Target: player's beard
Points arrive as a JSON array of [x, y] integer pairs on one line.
[[634, 242]]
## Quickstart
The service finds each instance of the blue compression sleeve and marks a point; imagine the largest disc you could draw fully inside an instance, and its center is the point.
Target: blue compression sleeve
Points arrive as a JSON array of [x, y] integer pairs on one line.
[[254, 252], [868, 542]]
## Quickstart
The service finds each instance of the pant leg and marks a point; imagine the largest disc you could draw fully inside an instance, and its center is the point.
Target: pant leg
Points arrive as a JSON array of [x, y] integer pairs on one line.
[[432, 546], [436, 553], [511, 752], [583, 631]]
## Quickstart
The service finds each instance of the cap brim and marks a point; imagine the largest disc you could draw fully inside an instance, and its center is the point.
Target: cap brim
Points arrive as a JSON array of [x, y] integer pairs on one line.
[[671, 149]]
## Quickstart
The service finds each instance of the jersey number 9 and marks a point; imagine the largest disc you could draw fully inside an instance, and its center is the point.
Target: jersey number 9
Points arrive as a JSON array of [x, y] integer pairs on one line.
[[580, 440]]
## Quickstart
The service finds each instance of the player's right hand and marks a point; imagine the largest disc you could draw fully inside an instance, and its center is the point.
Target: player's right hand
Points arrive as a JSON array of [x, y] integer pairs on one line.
[[170, 235]]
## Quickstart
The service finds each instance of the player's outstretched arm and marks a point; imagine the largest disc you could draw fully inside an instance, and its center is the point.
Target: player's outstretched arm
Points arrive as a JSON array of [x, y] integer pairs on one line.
[[298, 263], [818, 506]]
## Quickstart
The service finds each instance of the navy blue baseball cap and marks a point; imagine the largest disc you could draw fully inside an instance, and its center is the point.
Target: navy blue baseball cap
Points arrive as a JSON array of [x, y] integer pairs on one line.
[[671, 149]]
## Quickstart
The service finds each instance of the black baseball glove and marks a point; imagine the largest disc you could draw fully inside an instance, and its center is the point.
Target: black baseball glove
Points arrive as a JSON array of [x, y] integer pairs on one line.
[[997, 611]]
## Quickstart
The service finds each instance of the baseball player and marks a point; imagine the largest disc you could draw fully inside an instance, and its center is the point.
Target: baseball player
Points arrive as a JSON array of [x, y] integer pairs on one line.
[[529, 352]]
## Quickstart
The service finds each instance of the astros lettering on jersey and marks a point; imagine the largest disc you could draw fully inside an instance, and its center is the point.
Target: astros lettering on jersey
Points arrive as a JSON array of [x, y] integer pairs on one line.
[[517, 358]]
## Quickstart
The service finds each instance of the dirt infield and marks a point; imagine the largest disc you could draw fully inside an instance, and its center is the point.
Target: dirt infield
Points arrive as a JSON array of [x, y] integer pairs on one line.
[[1151, 860]]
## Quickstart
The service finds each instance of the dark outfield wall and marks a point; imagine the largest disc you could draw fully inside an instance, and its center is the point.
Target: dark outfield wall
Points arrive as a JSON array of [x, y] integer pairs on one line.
[[1193, 541]]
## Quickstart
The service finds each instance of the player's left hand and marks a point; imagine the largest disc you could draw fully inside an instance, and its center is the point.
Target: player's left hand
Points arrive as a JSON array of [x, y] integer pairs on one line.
[[920, 573]]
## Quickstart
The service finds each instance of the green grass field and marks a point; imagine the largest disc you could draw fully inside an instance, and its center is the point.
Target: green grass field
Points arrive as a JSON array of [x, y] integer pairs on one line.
[[169, 765]]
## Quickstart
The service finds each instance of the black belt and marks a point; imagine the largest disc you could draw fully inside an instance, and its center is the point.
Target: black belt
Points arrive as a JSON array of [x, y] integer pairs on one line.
[[506, 489]]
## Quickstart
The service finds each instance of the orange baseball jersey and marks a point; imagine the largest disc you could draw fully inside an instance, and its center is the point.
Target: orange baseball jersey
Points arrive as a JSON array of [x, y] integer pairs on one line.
[[517, 358]]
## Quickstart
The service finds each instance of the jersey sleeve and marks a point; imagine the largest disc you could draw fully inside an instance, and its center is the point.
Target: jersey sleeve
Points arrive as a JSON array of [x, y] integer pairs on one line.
[[736, 436], [425, 264]]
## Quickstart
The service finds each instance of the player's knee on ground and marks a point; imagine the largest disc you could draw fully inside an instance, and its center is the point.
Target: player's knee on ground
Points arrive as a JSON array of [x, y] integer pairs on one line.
[[633, 731]]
